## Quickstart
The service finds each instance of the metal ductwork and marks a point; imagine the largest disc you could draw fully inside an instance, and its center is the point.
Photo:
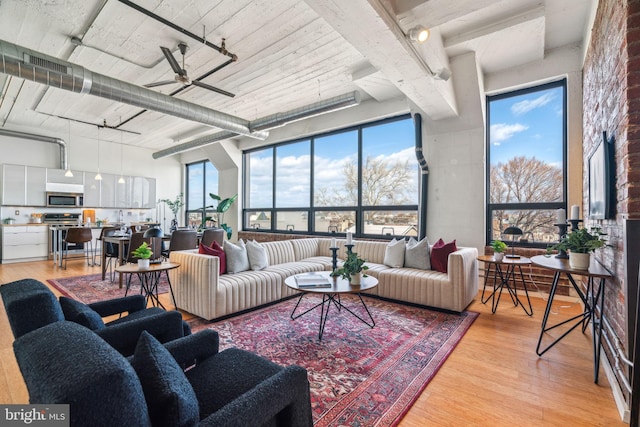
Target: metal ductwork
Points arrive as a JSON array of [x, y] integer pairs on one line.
[[424, 177], [269, 122], [64, 160], [38, 67]]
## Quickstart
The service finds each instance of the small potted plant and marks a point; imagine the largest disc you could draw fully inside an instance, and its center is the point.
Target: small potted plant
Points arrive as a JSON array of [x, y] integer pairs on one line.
[[352, 269], [498, 249], [143, 253], [580, 244], [175, 206], [9, 220]]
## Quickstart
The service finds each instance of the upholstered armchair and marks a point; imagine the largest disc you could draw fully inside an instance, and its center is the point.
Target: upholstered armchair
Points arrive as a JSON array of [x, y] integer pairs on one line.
[[219, 388], [30, 305]]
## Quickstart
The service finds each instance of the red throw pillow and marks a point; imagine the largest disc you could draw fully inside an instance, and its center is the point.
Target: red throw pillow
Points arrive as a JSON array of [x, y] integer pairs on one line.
[[215, 250], [440, 255]]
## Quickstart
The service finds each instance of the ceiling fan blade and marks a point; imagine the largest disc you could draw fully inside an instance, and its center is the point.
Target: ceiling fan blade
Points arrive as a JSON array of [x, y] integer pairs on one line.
[[162, 83], [172, 61], [215, 89]]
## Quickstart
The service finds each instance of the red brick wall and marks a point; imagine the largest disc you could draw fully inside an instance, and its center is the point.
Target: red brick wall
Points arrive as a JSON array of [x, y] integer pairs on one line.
[[611, 103]]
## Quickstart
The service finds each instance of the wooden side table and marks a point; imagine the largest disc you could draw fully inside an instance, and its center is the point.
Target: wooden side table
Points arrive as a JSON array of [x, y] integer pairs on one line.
[[593, 301], [505, 276]]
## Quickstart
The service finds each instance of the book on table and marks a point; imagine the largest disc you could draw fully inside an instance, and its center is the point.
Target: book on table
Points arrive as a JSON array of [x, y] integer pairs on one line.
[[312, 281]]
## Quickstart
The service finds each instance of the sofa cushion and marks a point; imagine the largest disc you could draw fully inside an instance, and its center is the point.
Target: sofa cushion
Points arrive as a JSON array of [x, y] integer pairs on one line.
[[215, 250], [394, 253], [257, 255], [78, 312], [440, 254], [304, 248], [237, 258], [169, 395], [417, 254]]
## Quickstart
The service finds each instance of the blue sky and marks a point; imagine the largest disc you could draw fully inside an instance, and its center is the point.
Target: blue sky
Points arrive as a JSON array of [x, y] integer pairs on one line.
[[529, 125]]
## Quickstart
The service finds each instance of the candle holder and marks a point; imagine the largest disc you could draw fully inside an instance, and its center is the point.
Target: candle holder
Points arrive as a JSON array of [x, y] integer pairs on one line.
[[334, 259], [574, 224], [349, 248], [562, 230]]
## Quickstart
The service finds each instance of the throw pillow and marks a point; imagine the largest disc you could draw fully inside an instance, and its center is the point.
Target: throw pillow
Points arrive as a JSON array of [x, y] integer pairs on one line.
[[80, 313], [440, 255], [257, 254], [215, 250], [169, 395], [237, 258], [417, 255], [394, 254]]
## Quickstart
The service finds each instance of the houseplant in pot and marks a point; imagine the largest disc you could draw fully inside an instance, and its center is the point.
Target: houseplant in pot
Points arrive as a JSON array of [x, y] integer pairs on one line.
[[352, 269], [580, 244], [175, 206], [221, 208], [498, 249], [143, 253]]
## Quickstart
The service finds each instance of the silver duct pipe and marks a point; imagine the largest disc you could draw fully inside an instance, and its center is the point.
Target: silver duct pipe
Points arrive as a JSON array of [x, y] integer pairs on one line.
[[269, 122], [64, 160], [38, 67]]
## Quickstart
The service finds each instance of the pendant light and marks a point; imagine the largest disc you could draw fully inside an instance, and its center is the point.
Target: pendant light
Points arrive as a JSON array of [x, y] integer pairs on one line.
[[68, 172], [98, 176], [121, 179]]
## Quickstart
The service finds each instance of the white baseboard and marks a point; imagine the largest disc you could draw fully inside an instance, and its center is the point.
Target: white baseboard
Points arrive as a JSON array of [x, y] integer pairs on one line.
[[618, 396]]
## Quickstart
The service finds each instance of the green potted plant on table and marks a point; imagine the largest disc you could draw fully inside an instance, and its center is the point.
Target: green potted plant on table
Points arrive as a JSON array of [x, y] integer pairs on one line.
[[580, 244], [175, 206], [143, 253], [221, 208], [352, 269], [498, 249]]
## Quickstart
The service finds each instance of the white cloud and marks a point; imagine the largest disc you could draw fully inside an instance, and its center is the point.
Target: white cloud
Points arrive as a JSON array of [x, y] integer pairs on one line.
[[523, 107], [501, 132]]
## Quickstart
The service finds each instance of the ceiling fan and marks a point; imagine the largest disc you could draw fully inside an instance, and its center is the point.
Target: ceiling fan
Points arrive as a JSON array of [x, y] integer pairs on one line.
[[181, 73]]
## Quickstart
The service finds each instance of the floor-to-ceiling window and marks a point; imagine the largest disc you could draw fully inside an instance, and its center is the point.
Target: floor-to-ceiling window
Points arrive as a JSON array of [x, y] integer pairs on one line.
[[362, 179], [202, 179], [526, 167]]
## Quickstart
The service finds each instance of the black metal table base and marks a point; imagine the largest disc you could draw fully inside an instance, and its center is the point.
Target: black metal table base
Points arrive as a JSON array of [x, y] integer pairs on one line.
[[149, 281], [593, 299], [500, 281], [325, 305]]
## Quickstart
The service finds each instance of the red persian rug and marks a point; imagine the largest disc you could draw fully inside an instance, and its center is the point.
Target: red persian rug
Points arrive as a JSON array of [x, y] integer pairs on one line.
[[359, 376], [92, 288]]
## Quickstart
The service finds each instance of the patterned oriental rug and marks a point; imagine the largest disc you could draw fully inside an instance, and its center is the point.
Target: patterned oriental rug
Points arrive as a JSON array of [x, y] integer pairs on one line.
[[359, 376], [92, 288]]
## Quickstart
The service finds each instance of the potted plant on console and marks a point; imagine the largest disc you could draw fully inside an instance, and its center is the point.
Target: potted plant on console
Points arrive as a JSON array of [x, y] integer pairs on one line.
[[580, 244], [143, 253], [498, 249], [352, 269]]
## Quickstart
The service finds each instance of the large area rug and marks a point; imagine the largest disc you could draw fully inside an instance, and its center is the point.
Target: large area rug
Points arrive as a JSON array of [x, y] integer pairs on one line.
[[359, 376], [92, 288]]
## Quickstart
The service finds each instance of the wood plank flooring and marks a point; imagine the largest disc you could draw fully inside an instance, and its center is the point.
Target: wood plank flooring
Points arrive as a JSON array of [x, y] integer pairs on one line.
[[492, 378]]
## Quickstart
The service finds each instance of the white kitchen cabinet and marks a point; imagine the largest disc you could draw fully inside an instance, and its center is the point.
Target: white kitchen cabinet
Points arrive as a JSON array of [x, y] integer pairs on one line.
[[36, 186], [57, 176], [143, 192], [123, 192], [108, 191], [92, 190], [24, 243], [14, 185]]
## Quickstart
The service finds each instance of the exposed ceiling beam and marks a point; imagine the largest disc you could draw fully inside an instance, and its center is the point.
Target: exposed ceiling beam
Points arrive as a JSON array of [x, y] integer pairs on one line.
[[390, 52]]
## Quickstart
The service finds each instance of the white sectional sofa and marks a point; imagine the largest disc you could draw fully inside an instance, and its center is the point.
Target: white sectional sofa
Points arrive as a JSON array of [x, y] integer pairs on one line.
[[200, 289]]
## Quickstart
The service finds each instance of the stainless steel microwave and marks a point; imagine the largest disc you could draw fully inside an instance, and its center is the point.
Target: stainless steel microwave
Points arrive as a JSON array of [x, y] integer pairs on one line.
[[65, 200]]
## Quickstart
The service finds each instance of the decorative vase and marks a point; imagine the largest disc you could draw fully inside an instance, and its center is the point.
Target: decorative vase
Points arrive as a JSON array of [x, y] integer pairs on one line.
[[143, 263], [174, 224], [498, 256], [579, 261], [355, 279]]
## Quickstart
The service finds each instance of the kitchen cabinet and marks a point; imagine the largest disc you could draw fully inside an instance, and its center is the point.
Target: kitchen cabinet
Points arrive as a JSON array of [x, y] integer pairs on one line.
[[123, 193], [143, 192], [36, 186], [24, 243], [23, 185], [57, 176], [92, 189], [108, 191]]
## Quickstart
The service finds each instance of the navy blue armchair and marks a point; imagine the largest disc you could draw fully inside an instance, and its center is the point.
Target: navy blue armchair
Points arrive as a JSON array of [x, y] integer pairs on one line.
[[30, 305], [183, 382]]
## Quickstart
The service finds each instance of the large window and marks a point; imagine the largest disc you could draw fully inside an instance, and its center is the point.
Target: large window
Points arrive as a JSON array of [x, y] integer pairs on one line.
[[363, 179], [526, 167], [202, 179]]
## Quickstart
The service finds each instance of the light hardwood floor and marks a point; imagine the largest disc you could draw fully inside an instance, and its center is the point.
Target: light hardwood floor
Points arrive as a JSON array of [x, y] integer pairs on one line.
[[492, 378]]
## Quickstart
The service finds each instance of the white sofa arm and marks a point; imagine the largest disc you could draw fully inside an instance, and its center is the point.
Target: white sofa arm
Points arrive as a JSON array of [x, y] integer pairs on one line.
[[195, 282], [462, 268]]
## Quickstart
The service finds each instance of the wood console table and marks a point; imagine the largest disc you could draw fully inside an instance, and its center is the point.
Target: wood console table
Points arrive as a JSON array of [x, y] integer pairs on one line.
[[593, 300]]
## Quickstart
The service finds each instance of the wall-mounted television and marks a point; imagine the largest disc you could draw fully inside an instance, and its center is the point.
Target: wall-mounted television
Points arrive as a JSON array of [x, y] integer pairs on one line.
[[602, 180]]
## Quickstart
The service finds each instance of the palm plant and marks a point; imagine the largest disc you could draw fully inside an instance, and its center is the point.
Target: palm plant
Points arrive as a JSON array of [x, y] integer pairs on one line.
[[222, 207]]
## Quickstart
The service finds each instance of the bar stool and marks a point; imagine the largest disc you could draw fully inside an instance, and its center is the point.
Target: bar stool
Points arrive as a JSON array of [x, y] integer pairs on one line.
[[76, 235]]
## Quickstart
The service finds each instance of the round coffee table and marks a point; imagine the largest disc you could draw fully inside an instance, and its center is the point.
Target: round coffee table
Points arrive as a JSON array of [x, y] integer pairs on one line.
[[331, 288], [149, 279]]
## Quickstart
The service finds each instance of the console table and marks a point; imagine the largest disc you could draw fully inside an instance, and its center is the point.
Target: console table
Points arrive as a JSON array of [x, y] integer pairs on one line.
[[593, 300]]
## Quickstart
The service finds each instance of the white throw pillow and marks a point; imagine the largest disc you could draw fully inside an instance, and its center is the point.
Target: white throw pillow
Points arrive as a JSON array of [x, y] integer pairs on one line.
[[237, 258], [258, 258], [394, 254], [417, 254]]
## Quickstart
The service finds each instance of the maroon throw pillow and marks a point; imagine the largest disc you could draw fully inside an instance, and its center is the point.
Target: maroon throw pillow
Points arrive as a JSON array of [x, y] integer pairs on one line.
[[213, 251], [440, 254]]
